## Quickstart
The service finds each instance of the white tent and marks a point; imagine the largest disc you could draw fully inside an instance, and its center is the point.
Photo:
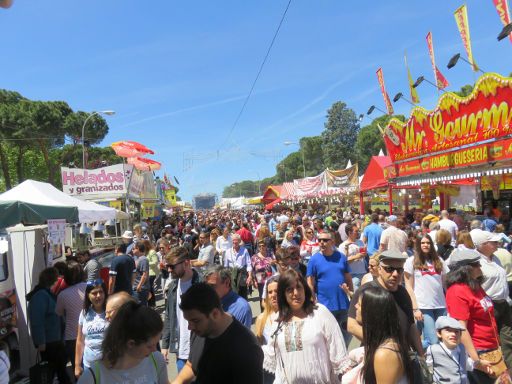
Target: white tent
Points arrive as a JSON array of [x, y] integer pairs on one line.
[[36, 192]]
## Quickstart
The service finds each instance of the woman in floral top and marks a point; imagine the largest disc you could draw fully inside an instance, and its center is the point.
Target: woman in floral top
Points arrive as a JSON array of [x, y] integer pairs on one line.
[[261, 266]]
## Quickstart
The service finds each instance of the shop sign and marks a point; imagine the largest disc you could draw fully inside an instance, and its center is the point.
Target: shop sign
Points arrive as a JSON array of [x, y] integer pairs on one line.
[[456, 121], [109, 180], [478, 154]]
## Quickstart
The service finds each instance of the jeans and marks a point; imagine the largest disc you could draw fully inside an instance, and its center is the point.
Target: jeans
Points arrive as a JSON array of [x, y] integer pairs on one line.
[[356, 280], [142, 296], [180, 363], [341, 317], [427, 326]]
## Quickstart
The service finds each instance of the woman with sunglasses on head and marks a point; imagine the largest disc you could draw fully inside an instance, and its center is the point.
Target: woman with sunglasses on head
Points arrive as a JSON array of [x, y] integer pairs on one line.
[[306, 345], [469, 304], [266, 320], [129, 349], [309, 245], [424, 275], [261, 267], [91, 326]]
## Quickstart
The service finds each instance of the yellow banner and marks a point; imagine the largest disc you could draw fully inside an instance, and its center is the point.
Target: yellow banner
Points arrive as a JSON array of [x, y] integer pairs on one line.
[[461, 18], [414, 93], [148, 210], [170, 196], [115, 204]]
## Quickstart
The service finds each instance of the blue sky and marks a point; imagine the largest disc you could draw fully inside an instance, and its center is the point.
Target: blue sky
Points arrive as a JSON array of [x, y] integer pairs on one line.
[[177, 73]]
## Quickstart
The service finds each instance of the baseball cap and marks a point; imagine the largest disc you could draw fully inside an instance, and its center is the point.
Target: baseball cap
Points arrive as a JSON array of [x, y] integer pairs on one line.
[[461, 257], [391, 254], [392, 218], [448, 322], [128, 235], [479, 237]]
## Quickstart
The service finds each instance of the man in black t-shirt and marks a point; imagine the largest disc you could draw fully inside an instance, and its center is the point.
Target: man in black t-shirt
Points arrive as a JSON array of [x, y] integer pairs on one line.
[[222, 350], [121, 271], [391, 270]]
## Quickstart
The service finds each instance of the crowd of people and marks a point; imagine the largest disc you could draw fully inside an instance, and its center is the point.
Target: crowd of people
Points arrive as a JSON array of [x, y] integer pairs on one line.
[[426, 294]]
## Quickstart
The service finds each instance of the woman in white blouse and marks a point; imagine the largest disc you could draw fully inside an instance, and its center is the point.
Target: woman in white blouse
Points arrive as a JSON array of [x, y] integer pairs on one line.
[[306, 345], [223, 243]]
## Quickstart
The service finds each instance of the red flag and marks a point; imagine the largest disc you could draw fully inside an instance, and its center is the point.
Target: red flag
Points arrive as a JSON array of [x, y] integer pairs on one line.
[[441, 81], [380, 77], [503, 12]]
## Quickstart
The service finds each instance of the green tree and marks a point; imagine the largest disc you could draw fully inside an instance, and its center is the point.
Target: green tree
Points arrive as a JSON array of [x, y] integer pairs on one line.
[[465, 90], [339, 136]]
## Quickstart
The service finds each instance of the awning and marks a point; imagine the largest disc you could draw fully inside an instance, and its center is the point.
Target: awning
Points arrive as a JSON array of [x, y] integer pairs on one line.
[[374, 176], [271, 205]]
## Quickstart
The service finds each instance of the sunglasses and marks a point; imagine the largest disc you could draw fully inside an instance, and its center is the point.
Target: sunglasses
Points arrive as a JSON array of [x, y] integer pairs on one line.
[[94, 283], [172, 266], [390, 269], [324, 240]]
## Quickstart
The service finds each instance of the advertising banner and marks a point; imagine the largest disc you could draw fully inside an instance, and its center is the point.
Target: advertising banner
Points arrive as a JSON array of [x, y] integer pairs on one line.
[[343, 178], [503, 12], [461, 18], [309, 185], [441, 81], [380, 77], [414, 93], [109, 180], [483, 116]]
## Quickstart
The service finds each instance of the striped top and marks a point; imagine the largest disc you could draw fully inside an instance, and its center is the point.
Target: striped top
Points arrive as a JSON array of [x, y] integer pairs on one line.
[[70, 302]]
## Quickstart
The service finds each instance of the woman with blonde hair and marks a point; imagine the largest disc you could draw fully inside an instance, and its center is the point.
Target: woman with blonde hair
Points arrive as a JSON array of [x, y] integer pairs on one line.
[[464, 240], [373, 269], [266, 319], [288, 240], [265, 236], [444, 243]]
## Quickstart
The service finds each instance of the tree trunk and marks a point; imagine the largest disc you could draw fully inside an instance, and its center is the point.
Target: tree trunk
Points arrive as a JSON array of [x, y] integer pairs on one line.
[[51, 171], [19, 165], [5, 168]]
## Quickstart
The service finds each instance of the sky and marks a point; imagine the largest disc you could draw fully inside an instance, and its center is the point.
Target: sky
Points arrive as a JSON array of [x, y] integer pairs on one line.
[[177, 73]]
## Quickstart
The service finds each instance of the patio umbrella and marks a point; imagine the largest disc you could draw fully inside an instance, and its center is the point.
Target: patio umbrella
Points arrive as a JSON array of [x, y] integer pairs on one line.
[[143, 164], [130, 149]]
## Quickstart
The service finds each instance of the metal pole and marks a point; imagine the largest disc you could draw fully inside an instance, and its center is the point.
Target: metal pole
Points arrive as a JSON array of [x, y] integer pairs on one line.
[[303, 162], [83, 137]]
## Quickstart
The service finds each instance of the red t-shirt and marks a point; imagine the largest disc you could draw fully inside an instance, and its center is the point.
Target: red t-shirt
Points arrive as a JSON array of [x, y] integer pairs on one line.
[[477, 310]]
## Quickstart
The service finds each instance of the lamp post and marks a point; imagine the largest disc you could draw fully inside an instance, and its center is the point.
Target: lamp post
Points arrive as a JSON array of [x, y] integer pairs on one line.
[[421, 79], [507, 30], [372, 108], [302, 152], [399, 96], [455, 58], [107, 112]]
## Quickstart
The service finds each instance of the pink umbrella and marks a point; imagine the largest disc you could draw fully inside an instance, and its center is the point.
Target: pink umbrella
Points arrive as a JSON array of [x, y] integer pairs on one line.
[[143, 164], [130, 149]]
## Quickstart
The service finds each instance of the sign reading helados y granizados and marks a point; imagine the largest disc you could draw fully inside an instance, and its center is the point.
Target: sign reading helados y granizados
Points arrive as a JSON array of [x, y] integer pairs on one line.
[[111, 180]]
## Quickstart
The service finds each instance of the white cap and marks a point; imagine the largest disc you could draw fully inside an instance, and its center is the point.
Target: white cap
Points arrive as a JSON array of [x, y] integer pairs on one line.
[[128, 235], [479, 237]]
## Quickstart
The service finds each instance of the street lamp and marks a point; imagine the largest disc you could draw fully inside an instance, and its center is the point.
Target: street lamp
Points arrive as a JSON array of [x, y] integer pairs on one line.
[[399, 96], [372, 108], [455, 58], [107, 112], [507, 30], [300, 150], [422, 79]]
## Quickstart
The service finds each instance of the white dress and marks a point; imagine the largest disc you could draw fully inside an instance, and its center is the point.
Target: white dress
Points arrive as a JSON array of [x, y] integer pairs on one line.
[[306, 351]]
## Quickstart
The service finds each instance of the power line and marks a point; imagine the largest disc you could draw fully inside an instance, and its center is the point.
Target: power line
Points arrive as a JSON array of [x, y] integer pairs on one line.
[[257, 76]]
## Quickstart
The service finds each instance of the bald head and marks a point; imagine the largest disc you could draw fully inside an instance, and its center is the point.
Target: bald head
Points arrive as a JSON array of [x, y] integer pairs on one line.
[[444, 214], [116, 301]]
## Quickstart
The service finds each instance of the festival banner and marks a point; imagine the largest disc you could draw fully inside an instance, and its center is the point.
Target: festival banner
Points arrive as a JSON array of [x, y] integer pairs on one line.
[[380, 77], [414, 93], [440, 80], [342, 178], [106, 181], [503, 12], [461, 18], [309, 185]]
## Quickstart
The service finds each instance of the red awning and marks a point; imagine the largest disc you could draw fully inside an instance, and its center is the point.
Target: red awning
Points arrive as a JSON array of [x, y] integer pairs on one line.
[[374, 175], [271, 205]]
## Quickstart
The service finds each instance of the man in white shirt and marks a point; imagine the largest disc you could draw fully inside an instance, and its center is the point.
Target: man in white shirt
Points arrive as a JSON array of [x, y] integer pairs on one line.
[[449, 225], [392, 237]]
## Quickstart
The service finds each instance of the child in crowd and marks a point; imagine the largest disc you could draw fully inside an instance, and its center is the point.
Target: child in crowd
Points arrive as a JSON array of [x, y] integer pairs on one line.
[[448, 359]]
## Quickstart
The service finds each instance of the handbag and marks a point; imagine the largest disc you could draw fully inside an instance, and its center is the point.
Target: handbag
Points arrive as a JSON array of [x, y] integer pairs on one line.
[[421, 372], [40, 372], [495, 357]]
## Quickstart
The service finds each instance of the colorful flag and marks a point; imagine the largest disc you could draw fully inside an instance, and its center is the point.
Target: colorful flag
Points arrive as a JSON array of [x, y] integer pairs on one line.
[[380, 77], [461, 18], [414, 93], [441, 81], [503, 12]]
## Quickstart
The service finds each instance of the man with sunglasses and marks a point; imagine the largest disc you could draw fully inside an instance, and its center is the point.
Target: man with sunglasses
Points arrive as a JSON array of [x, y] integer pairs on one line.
[[176, 335], [328, 275], [391, 270]]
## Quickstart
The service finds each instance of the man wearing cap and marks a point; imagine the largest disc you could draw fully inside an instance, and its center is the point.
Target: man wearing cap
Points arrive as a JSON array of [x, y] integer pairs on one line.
[[391, 270], [128, 240], [496, 286], [175, 334], [393, 238], [448, 359]]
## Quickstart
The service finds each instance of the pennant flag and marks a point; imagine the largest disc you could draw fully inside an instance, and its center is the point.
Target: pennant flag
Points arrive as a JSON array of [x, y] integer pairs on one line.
[[166, 179], [503, 12], [414, 93], [461, 18], [380, 77], [441, 81]]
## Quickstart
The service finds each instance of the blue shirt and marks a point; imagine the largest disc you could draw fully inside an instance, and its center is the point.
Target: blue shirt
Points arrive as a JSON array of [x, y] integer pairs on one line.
[[372, 233], [329, 274], [237, 307]]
